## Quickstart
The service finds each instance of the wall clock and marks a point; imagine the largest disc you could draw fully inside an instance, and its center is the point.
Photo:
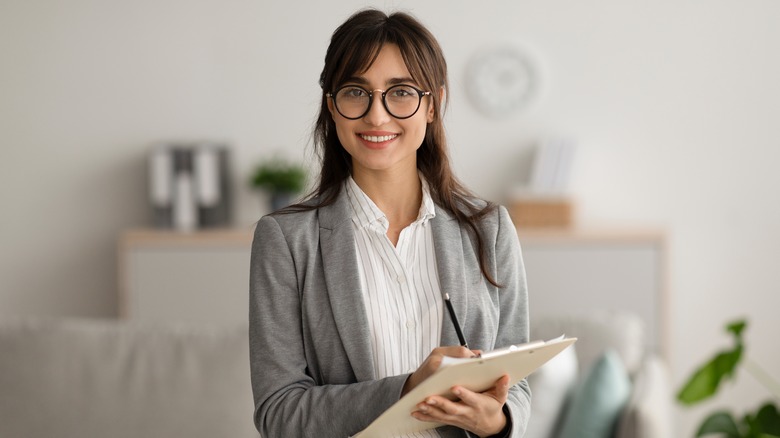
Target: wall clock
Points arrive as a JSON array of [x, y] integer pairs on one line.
[[501, 80]]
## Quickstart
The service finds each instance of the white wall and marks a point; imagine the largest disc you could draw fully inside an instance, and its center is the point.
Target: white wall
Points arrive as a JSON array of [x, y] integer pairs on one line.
[[673, 104]]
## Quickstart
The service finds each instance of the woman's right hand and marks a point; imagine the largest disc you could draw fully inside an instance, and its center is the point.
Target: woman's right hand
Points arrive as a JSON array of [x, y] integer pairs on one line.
[[432, 363]]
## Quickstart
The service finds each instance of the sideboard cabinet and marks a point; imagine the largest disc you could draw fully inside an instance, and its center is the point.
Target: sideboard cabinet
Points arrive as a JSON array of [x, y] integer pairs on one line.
[[204, 276]]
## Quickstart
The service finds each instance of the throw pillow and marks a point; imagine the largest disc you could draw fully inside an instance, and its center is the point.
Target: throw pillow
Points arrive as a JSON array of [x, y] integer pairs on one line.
[[598, 400], [648, 412], [550, 387]]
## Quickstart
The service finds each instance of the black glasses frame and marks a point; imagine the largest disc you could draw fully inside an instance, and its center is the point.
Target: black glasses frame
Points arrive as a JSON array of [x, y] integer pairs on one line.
[[420, 95]]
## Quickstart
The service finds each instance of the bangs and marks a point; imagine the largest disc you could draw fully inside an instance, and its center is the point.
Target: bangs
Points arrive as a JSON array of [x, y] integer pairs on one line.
[[357, 58], [359, 53]]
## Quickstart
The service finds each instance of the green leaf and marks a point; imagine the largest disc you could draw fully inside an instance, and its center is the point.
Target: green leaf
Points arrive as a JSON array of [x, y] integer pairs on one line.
[[721, 423], [736, 328], [278, 175], [705, 381], [767, 420]]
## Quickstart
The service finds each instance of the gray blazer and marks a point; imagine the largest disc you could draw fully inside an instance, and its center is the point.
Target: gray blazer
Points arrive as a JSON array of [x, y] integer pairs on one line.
[[311, 363]]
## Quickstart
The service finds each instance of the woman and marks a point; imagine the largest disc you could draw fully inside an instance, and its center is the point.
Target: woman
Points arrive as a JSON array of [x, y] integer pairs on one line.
[[346, 305]]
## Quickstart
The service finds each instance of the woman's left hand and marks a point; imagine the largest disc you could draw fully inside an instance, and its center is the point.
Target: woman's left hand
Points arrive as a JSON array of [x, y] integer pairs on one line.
[[478, 412]]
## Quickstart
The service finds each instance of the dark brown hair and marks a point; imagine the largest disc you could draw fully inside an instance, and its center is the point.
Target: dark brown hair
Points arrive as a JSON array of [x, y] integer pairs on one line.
[[353, 48]]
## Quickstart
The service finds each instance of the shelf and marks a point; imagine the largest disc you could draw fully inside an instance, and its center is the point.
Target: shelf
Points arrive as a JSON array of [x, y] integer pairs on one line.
[[220, 236], [238, 236]]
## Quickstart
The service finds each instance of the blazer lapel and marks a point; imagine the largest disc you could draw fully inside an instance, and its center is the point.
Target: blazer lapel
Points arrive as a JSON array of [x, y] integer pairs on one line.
[[342, 279], [448, 246]]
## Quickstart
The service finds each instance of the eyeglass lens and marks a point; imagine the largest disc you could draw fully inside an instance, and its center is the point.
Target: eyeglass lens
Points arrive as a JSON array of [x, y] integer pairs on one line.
[[401, 101]]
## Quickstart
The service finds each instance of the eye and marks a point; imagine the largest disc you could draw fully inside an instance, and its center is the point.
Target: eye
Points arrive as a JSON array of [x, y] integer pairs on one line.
[[352, 93], [402, 91]]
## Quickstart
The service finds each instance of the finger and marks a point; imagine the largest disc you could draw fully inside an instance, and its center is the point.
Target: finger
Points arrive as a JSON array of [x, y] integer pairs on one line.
[[445, 406], [466, 396], [429, 412], [452, 413], [502, 389], [499, 392], [433, 414], [425, 412], [453, 351], [433, 362], [422, 416]]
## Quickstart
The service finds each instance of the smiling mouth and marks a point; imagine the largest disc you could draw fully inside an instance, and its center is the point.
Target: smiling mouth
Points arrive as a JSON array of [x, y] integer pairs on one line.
[[378, 138]]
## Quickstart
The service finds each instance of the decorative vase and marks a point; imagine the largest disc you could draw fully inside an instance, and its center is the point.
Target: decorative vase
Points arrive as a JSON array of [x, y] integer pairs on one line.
[[185, 211]]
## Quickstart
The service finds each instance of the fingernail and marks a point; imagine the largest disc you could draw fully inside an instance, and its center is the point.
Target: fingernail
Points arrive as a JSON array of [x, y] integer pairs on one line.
[[430, 402], [456, 391]]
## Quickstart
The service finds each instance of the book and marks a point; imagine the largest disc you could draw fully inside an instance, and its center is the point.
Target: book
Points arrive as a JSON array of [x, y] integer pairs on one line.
[[551, 166], [476, 374]]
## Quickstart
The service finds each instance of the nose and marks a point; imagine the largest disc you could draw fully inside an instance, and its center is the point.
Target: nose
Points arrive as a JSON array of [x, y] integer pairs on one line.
[[377, 115]]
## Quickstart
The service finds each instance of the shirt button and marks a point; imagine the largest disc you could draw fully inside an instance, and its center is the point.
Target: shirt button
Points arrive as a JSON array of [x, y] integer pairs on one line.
[[401, 279], [410, 324]]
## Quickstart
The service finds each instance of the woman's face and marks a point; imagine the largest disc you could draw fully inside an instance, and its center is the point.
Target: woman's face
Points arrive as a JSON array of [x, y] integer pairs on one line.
[[379, 142]]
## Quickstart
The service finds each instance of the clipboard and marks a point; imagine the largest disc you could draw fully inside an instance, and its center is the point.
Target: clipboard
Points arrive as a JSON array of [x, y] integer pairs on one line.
[[475, 374]]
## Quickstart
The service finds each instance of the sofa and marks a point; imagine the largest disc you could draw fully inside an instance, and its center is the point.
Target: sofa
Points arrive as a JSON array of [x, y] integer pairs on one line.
[[608, 384], [82, 378], [74, 378]]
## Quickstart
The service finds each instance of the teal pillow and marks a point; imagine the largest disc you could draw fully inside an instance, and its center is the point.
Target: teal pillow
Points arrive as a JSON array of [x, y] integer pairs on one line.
[[598, 400]]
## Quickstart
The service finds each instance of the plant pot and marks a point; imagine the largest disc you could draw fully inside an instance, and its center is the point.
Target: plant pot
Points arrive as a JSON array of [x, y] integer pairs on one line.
[[280, 200]]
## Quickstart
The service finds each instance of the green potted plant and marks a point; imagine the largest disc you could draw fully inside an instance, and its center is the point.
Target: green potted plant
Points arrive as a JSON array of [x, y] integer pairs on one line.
[[281, 178], [705, 381]]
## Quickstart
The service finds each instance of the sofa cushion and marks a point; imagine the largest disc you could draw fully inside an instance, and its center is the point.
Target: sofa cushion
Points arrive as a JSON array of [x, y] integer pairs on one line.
[[550, 386], [598, 400], [648, 413], [620, 331], [101, 378]]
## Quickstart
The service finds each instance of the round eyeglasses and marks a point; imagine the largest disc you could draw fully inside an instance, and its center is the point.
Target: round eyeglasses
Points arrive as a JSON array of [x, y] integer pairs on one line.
[[401, 101]]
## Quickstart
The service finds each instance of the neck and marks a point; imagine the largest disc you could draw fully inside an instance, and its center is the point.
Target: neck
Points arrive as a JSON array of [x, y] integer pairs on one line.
[[397, 194]]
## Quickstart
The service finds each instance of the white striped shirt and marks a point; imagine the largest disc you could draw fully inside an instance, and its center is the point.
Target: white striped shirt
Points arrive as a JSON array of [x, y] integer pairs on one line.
[[400, 286]]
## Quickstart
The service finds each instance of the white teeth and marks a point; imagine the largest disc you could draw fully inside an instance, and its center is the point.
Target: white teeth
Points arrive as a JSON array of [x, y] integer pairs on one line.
[[378, 139]]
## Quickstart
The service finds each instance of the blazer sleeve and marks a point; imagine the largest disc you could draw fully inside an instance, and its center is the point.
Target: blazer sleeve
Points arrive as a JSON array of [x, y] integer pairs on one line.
[[289, 400], [513, 322]]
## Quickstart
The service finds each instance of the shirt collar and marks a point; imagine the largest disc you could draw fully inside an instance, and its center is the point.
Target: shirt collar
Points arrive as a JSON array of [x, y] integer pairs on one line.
[[366, 213]]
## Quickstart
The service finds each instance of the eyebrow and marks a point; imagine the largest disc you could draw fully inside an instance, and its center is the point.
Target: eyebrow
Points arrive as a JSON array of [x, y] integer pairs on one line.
[[391, 81]]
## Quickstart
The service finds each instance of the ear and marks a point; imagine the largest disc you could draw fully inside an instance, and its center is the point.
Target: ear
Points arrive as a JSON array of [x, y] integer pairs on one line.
[[431, 109], [331, 108]]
